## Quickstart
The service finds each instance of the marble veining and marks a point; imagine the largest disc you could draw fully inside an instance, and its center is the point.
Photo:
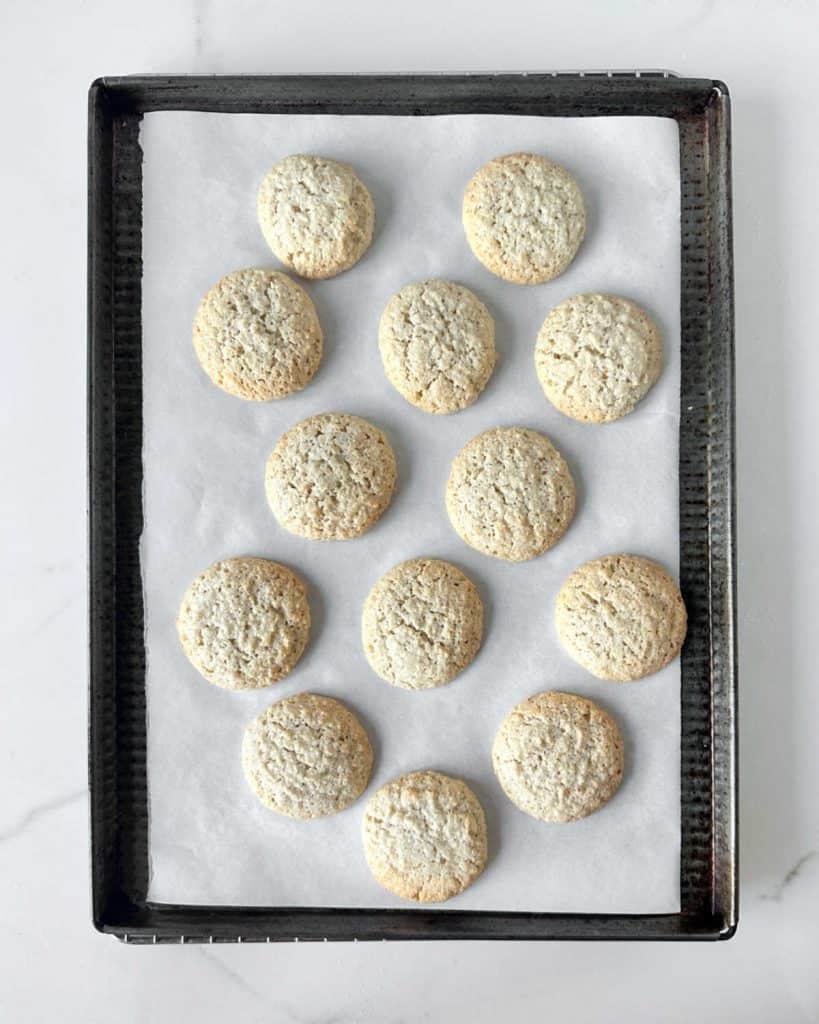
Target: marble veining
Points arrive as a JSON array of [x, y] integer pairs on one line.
[[38, 811], [790, 876]]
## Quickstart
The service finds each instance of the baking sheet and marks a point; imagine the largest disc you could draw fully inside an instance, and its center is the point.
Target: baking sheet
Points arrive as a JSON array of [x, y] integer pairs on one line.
[[211, 841]]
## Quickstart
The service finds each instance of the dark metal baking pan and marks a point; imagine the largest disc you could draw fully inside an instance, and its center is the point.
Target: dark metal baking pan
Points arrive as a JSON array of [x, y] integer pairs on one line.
[[117, 755]]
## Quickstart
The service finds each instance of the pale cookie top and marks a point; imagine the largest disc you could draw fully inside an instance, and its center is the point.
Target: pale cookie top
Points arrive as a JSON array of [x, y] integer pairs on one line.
[[597, 356], [315, 215], [244, 622], [425, 836], [437, 342], [257, 335], [422, 624], [307, 756], [558, 757], [510, 493], [524, 218], [621, 617], [330, 477]]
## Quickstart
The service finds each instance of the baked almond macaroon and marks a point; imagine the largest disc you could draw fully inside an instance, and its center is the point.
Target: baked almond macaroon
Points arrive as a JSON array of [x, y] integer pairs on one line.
[[244, 622], [558, 757], [315, 214], [307, 756], [621, 617], [257, 335], [437, 343], [597, 356], [330, 477], [510, 494], [524, 218], [425, 836], [422, 624]]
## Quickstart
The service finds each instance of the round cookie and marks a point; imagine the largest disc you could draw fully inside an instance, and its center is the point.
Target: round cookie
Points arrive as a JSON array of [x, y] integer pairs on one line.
[[437, 342], [558, 757], [422, 624], [425, 836], [597, 356], [244, 622], [315, 214], [307, 756], [330, 477], [524, 218], [621, 617], [257, 335], [510, 493]]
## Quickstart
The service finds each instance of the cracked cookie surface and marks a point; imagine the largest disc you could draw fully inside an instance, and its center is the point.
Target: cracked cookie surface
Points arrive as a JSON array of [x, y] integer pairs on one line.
[[257, 335], [422, 624], [307, 756], [244, 622], [524, 218], [597, 356], [437, 343], [315, 214], [558, 757], [330, 477], [621, 617], [425, 836], [510, 493]]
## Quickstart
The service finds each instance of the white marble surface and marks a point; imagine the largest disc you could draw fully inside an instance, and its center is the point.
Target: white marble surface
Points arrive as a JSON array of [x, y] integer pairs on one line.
[[52, 964]]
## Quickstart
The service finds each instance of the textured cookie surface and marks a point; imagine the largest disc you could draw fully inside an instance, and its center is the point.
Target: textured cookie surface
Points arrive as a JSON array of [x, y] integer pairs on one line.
[[244, 622], [621, 617], [597, 356], [422, 624], [437, 342], [558, 757], [524, 218], [315, 214], [425, 836], [307, 756], [510, 493], [330, 477], [257, 335]]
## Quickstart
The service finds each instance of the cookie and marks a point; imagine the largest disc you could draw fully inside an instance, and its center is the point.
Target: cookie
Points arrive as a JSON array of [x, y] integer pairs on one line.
[[558, 757], [422, 624], [330, 477], [510, 493], [244, 622], [437, 344], [597, 356], [316, 215], [307, 756], [257, 335], [524, 218], [425, 836], [621, 617]]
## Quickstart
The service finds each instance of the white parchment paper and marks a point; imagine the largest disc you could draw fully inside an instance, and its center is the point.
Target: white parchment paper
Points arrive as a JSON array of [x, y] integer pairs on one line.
[[211, 841]]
